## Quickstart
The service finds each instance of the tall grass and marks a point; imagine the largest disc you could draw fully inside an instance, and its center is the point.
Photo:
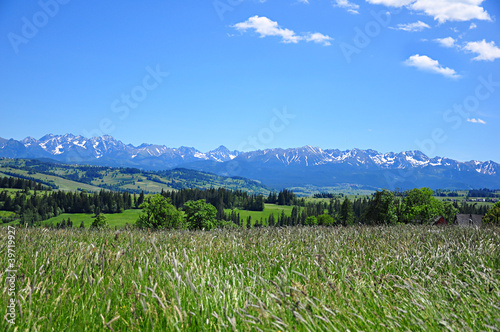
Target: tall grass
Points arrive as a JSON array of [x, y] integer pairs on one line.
[[268, 279]]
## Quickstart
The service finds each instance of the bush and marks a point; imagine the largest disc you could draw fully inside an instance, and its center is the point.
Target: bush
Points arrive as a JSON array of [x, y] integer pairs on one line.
[[325, 220], [200, 215], [311, 221], [99, 222], [493, 215], [159, 213]]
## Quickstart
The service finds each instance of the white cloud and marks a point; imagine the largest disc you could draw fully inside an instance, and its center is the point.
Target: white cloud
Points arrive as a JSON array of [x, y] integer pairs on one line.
[[425, 63], [452, 10], [318, 38], [478, 120], [351, 7], [442, 10], [412, 27], [486, 51], [446, 42], [391, 3], [265, 27], [472, 26], [304, 1]]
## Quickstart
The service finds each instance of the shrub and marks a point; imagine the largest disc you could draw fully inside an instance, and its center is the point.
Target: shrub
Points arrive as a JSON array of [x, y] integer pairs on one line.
[[325, 220], [99, 222], [311, 221], [200, 215], [159, 213]]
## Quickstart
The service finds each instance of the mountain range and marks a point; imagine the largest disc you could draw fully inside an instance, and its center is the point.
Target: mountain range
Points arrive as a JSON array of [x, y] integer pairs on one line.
[[277, 168]]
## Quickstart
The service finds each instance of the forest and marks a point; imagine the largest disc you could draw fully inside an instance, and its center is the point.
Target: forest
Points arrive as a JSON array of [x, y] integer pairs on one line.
[[35, 203]]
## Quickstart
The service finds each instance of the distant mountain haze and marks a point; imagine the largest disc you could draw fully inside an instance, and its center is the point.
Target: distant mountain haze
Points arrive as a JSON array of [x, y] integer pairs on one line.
[[278, 168]]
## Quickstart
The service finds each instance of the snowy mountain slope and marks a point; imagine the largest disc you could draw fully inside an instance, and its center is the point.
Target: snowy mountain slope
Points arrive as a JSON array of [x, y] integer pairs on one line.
[[277, 167]]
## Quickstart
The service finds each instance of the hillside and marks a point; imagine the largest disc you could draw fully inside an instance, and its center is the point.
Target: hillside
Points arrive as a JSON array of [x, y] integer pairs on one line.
[[94, 178]]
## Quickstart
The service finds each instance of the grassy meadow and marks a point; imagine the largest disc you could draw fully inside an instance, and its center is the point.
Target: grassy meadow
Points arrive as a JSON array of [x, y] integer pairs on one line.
[[269, 209], [269, 279], [114, 219]]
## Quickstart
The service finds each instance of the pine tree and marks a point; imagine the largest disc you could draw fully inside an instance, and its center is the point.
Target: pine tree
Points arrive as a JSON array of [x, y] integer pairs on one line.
[[295, 216], [346, 212], [141, 199]]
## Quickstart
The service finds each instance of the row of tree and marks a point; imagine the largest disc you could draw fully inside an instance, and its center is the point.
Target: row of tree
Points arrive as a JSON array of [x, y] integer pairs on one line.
[[483, 193], [220, 198], [284, 197], [37, 207], [19, 183], [417, 206], [384, 207]]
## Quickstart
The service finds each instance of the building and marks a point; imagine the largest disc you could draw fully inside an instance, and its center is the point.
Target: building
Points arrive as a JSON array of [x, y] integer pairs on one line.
[[439, 221]]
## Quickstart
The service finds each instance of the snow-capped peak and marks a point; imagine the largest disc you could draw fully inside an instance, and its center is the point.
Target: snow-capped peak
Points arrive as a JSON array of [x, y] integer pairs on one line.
[[67, 147]]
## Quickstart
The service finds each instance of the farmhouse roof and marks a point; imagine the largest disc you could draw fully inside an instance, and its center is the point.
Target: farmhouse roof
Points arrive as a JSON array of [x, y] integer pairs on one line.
[[438, 220]]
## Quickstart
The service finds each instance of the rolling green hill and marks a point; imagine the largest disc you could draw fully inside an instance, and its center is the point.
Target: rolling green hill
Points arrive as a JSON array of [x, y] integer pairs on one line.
[[94, 178]]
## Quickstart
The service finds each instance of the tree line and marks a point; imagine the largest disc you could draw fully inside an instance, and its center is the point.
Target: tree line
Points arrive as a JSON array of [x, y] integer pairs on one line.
[[483, 193], [19, 181], [383, 207], [417, 206], [220, 198], [32, 209]]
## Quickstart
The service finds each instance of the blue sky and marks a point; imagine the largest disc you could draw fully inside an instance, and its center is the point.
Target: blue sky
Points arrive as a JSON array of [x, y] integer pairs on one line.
[[390, 75]]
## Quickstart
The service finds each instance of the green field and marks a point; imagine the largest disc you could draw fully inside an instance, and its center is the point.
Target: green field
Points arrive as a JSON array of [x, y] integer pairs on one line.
[[63, 184], [7, 214], [114, 219], [130, 216], [400, 278], [268, 210], [461, 199]]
